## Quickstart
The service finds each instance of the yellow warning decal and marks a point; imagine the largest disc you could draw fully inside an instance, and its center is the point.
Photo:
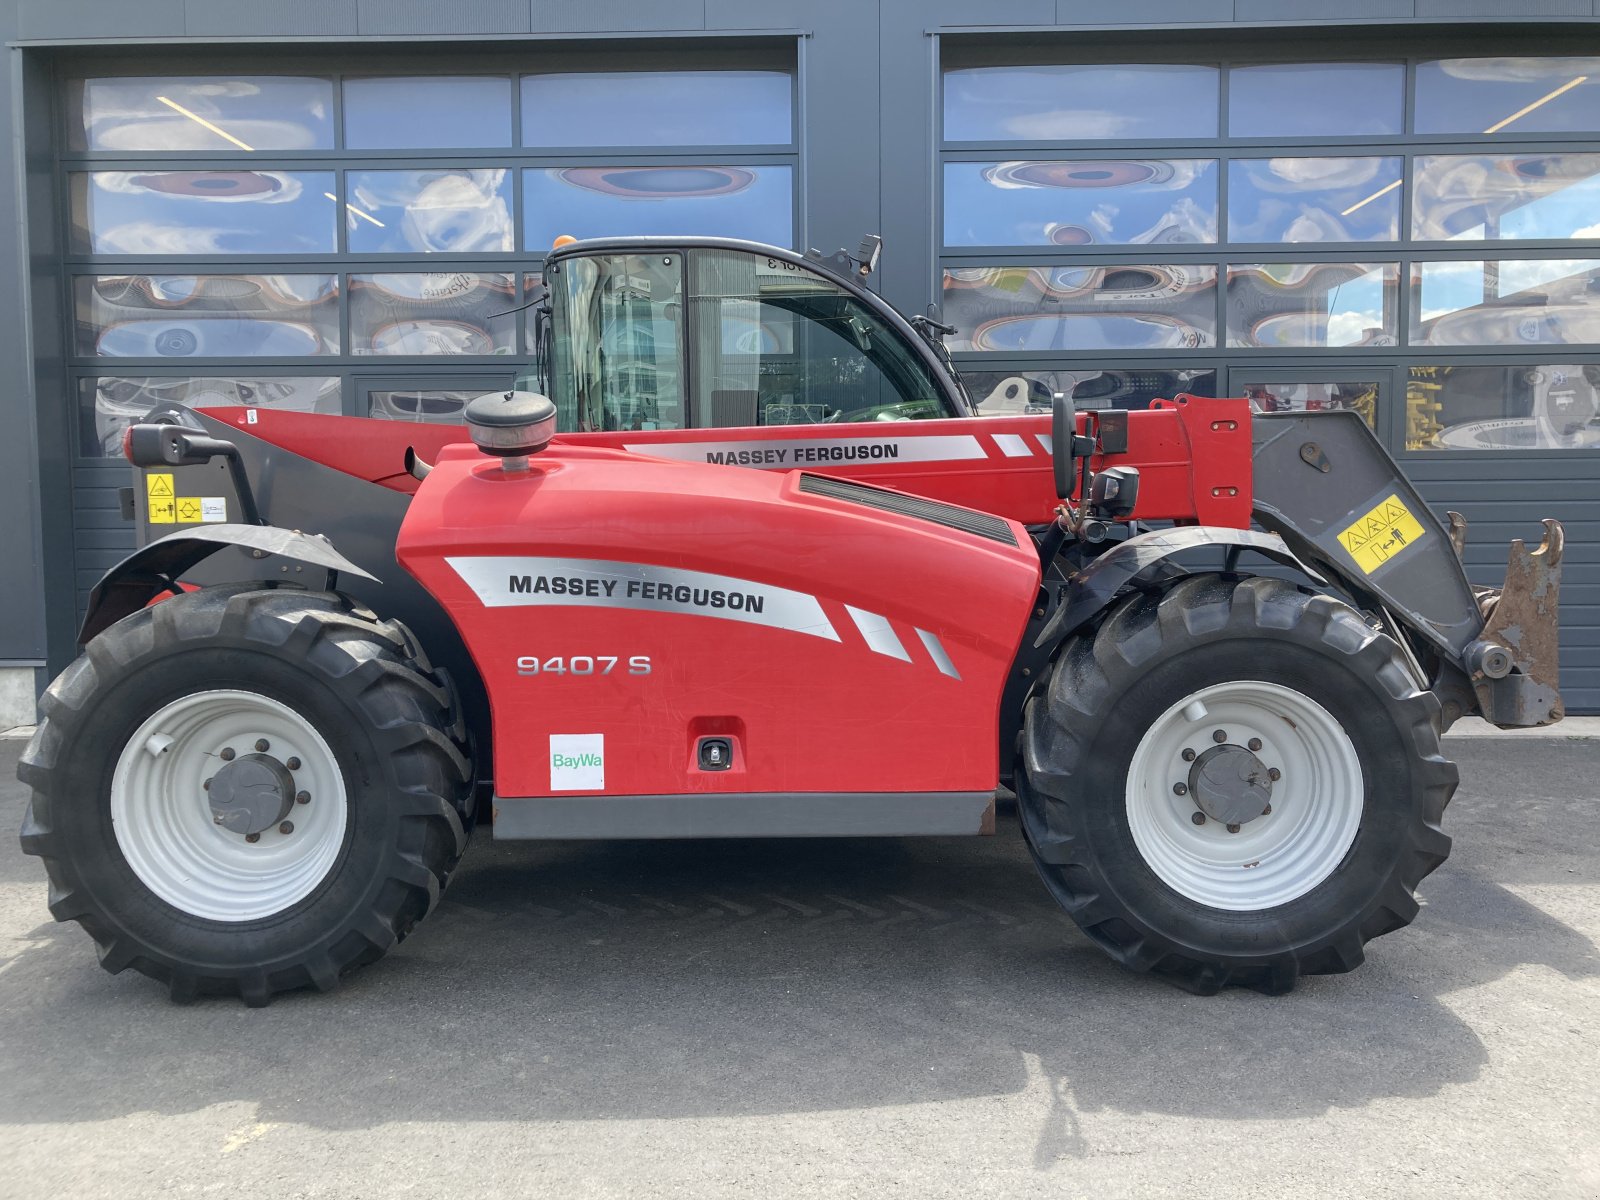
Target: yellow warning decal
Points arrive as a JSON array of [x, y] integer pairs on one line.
[[189, 508], [159, 498], [1381, 535]]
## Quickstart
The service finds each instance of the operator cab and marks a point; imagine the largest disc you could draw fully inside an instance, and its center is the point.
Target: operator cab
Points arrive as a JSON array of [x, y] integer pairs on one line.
[[659, 333]]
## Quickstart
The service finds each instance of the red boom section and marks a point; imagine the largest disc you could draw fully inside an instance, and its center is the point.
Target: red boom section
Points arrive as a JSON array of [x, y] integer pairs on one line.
[[1193, 454], [625, 607]]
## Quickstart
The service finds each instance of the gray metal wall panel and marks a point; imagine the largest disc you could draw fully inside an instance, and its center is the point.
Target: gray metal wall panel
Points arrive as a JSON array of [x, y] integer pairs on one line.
[[1316, 10], [1143, 12], [90, 19], [621, 16], [1504, 9], [414, 17], [280, 18]]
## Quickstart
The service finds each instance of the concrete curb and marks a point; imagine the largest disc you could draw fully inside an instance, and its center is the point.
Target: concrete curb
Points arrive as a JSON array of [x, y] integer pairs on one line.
[[19, 731]]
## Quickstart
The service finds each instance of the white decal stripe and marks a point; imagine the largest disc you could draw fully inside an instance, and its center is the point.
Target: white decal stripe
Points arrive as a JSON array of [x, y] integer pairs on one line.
[[1045, 440], [788, 453], [509, 581], [1012, 445], [935, 649], [879, 635]]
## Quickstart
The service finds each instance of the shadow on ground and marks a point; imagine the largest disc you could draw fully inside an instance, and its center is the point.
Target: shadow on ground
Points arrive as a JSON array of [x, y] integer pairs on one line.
[[715, 978]]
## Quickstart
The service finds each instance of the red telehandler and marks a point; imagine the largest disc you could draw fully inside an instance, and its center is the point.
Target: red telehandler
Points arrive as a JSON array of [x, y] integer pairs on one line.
[[750, 568]]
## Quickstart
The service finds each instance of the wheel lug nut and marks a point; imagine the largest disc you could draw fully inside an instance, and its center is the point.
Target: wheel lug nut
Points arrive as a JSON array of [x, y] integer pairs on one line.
[[262, 745], [252, 838], [1180, 789], [227, 754], [1274, 774], [286, 827], [1220, 736], [1188, 755], [1233, 829], [293, 764], [1267, 811], [206, 785], [216, 820], [1199, 818], [302, 797], [1254, 743]]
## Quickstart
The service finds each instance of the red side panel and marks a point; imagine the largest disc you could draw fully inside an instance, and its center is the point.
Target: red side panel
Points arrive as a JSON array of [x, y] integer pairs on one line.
[[1193, 455], [625, 607]]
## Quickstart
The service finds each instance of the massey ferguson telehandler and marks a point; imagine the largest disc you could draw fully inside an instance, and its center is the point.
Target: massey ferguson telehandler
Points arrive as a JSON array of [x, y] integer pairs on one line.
[[776, 582]]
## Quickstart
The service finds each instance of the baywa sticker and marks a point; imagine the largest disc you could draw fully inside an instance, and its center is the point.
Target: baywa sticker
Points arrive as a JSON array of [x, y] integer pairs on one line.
[[577, 762], [514, 581], [1382, 534]]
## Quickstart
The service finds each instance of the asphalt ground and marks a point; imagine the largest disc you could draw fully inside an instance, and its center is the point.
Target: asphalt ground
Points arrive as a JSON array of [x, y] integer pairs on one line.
[[836, 1018]]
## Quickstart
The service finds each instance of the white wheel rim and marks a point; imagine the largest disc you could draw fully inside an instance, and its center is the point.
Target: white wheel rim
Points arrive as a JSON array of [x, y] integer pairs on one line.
[[1316, 801], [164, 824]]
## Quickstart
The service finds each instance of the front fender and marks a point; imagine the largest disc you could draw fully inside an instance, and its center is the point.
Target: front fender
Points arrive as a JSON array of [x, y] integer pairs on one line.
[[154, 569]]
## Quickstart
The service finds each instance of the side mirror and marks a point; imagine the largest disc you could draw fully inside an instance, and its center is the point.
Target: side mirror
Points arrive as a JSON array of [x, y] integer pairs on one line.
[[1063, 429]]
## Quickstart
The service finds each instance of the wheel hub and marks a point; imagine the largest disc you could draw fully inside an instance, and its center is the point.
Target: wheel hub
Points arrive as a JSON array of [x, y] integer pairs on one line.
[[250, 795], [1230, 784]]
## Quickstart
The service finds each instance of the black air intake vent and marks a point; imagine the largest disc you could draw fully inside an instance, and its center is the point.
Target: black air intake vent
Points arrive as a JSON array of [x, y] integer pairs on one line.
[[948, 515]]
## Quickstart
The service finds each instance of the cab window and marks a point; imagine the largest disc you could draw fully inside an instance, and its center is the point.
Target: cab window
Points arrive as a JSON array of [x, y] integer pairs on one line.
[[776, 344]]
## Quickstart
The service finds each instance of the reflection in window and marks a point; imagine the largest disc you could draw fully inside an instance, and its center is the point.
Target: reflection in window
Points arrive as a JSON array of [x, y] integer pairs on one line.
[[756, 203], [1359, 395], [446, 312], [421, 112], [207, 316], [1287, 305], [780, 345], [203, 212], [657, 108], [1495, 197], [1171, 307], [1112, 202], [433, 210], [108, 404], [1294, 100], [1513, 96], [428, 406], [1533, 302], [1314, 199], [1503, 407], [1031, 391], [219, 112], [1080, 103]]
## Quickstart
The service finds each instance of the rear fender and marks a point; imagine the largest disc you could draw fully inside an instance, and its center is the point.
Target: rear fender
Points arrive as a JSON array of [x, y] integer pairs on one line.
[[154, 570]]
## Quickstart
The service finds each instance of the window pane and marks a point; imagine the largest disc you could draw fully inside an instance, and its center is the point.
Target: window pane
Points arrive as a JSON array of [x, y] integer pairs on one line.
[[1313, 304], [434, 210], [207, 316], [427, 111], [429, 406], [1503, 407], [1080, 103], [781, 345], [620, 365], [203, 212], [218, 112], [1314, 199], [1316, 100], [1081, 308], [756, 203], [1514, 96], [108, 404], [1010, 393], [445, 313], [1274, 396], [657, 108], [1544, 302], [1115, 202], [1484, 197]]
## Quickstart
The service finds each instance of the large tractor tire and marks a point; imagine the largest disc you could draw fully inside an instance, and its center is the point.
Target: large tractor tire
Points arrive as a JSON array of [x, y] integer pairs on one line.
[[1234, 782], [246, 790]]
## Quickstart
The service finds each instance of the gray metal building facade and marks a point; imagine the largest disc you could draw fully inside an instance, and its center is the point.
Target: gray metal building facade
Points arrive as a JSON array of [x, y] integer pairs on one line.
[[1392, 205]]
